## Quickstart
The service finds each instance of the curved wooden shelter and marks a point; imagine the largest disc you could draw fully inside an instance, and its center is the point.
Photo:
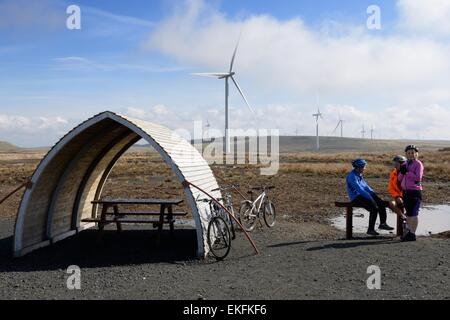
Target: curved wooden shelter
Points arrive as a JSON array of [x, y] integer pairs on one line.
[[75, 170]]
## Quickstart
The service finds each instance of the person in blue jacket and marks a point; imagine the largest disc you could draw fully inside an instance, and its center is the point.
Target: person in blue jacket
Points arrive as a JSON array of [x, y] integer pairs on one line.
[[362, 195]]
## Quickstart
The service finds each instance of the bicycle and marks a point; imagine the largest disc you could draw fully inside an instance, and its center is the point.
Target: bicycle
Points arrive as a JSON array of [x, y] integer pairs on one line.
[[250, 210], [228, 203], [218, 232]]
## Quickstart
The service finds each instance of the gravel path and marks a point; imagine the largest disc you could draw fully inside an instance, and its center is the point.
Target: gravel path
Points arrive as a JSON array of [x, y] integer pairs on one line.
[[298, 261]]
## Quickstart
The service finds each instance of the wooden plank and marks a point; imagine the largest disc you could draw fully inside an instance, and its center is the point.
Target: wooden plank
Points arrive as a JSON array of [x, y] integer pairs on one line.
[[192, 176], [124, 220], [351, 205], [349, 223], [202, 180], [138, 201], [146, 213]]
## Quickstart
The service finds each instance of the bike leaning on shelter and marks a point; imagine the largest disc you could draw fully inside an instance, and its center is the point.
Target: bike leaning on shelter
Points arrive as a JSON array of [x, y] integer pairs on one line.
[[218, 232], [228, 203], [251, 210]]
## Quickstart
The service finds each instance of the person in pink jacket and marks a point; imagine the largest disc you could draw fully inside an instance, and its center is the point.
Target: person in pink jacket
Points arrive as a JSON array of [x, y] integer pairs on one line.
[[410, 179]]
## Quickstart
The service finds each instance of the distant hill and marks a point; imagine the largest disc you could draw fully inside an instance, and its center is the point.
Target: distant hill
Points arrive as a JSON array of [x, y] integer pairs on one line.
[[288, 144], [6, 146], [337, 144], [291, 144]]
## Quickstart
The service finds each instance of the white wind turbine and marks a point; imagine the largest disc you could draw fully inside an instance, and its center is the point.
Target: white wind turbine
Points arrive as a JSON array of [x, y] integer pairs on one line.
[[317, 116], [207, 135], [363, 132], [340, 123], [228, 75]]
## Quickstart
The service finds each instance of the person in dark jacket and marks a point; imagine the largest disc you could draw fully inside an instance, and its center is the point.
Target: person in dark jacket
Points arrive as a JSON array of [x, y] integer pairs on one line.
[[361, 194]]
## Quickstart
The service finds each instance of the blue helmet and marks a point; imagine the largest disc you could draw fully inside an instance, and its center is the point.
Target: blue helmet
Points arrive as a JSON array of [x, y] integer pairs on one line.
[[359, 163]]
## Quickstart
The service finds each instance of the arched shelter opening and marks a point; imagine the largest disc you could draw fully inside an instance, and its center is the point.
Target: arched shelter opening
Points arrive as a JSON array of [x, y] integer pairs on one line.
[[75, 170]]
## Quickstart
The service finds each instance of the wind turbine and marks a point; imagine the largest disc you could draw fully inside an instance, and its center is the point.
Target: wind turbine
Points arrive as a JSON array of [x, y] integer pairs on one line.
[[363, 132], [207, 126], [317, 115], [371, 132], [228, 75], [340, 123]]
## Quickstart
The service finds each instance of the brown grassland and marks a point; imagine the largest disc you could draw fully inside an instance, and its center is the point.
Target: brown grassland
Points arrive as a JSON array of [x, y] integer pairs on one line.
[[307, 184]]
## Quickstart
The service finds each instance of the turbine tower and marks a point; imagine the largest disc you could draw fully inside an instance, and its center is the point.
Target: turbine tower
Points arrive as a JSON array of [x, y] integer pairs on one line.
[[363, 132], [317, 116], [227, 76], [371, 132]]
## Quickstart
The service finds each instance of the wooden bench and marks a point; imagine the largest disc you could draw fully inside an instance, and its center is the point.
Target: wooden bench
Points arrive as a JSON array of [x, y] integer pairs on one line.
[[349, 218], [126, 220]]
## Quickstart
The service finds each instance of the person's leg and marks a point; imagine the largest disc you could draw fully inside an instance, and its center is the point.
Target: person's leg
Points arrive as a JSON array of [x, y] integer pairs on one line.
[[413, 219], [413, 222], [381, 208], [369, 206], [393, 206], [412, 207]]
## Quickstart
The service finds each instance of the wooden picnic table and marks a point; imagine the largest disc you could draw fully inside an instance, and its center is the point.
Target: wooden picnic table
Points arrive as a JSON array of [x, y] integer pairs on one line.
[[165, 213]]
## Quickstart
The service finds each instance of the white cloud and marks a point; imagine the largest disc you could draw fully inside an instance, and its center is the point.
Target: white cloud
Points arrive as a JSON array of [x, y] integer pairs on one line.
[[123, 19], [76, 63], [425, 16], [161, 110], [289, 54], [32, 131], [411, 73], [429, 122], [30, 124]]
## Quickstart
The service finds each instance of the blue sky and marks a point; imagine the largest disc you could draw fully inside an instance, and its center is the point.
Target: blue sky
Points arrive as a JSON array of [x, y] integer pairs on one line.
[[136, 57]]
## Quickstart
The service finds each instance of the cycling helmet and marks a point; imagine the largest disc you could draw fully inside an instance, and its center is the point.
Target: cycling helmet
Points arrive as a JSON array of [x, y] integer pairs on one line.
[[411, 147], [399, 159], [359, 163]]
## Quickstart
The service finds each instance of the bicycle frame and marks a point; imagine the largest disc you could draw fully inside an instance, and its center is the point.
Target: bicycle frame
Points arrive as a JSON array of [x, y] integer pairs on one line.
[[259, 201]]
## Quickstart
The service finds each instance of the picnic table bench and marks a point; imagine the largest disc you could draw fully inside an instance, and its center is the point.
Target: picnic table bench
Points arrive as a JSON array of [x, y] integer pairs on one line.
[[165, 214], [349, 218]]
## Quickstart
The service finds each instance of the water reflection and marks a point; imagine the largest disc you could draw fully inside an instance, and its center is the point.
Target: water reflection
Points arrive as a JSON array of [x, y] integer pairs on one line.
[[432, 220]]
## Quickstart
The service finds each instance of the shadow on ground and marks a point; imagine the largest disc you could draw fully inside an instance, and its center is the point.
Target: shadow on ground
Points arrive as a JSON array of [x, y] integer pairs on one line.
[[90, 249], [284, 244], [356, 242]]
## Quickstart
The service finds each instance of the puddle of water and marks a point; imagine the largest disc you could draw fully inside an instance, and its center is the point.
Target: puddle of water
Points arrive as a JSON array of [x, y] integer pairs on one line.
[[432, 220]]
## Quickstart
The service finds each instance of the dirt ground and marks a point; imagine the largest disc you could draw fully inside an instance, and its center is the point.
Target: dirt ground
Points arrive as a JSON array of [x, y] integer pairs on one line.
[[291, 266], [302, 257]]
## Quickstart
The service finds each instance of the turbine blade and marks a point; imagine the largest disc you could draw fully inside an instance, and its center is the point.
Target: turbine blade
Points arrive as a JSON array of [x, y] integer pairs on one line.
[[336, 127], [214, 75], [243, 96], [234, 53]]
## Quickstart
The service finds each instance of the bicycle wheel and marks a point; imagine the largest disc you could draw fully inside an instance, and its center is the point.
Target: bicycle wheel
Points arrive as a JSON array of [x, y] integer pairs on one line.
[[219, 238], [269, 214], [246, 216]]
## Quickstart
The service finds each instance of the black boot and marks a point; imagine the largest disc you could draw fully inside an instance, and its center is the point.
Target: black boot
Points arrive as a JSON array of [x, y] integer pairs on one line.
[[385, 226], [409, 237]]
